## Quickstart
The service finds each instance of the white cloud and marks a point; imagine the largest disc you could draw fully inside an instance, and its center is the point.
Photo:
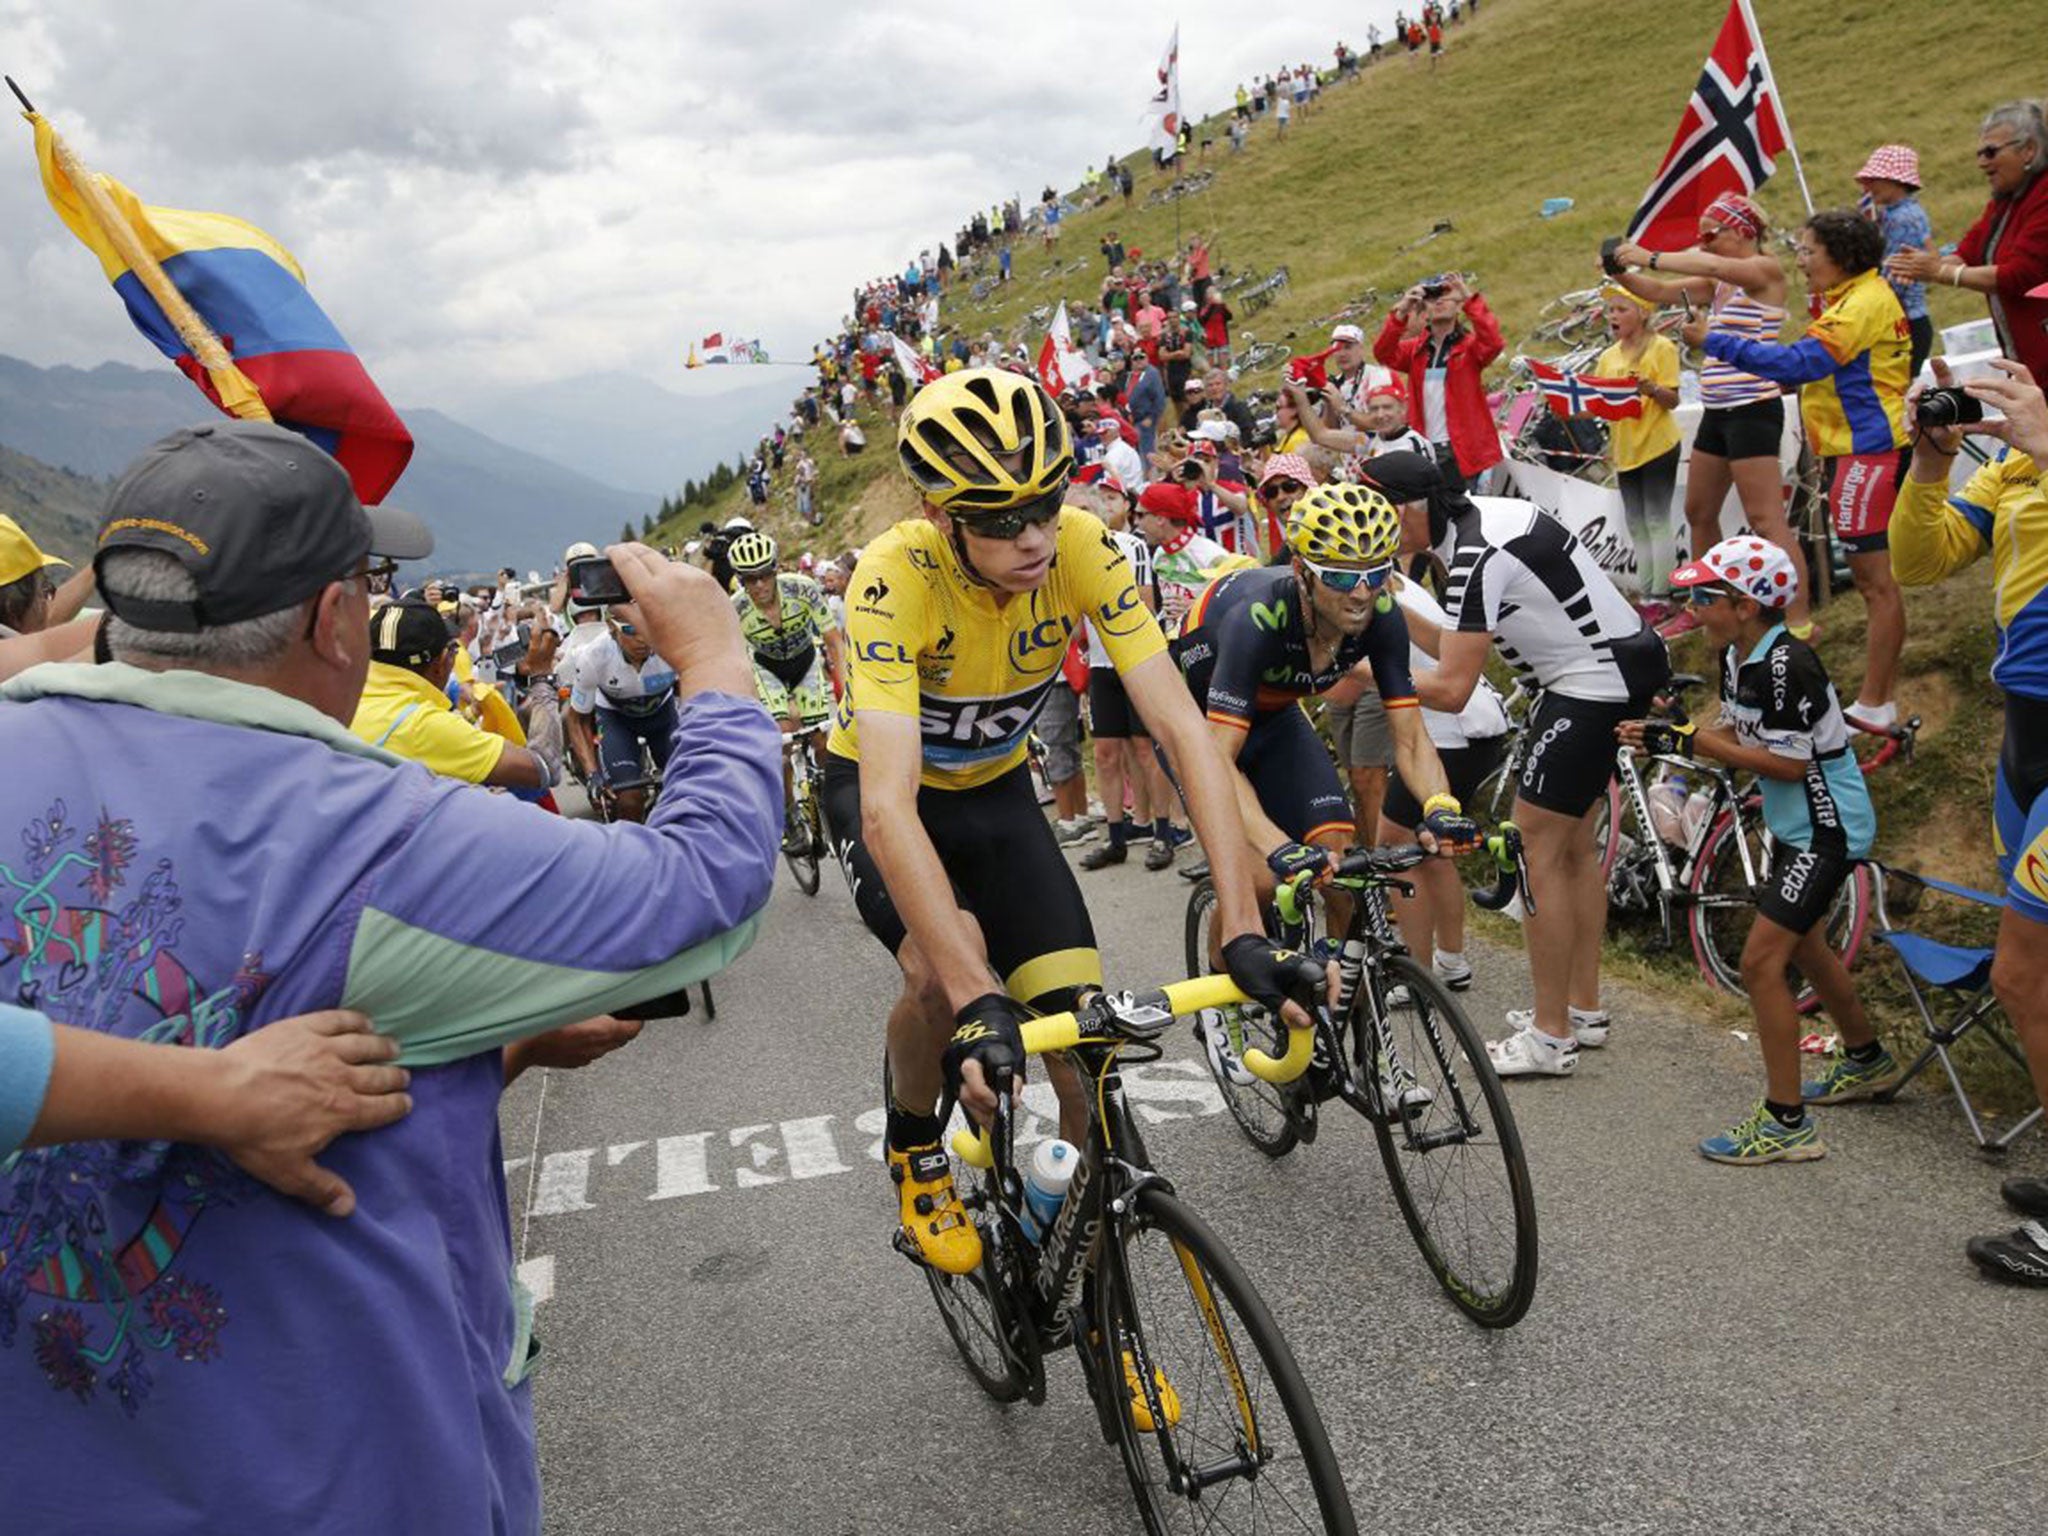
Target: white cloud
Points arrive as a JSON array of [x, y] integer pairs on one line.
[[483, 195]]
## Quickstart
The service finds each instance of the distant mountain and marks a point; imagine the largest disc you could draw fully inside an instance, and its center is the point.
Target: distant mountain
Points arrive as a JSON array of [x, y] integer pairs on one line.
[[625, 430], [489, 504]]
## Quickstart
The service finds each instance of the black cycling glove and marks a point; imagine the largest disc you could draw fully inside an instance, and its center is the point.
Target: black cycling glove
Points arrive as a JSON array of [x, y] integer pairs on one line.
[[1291, 859], [1449, 825], [986, 1030], [1661, 738], [1269, 974]]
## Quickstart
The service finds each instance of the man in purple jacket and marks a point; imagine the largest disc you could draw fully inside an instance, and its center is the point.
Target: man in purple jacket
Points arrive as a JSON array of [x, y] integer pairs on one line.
[[197, 848]]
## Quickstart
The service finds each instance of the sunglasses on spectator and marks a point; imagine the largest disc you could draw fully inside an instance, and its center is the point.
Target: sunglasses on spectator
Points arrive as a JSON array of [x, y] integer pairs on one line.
[[1706, 597], [1993, 151], [1009, 522], [623, 627], [1345, 578], [1282, 487]]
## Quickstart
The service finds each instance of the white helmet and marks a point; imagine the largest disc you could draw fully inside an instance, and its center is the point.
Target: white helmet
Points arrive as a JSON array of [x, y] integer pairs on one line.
[[579, 551]]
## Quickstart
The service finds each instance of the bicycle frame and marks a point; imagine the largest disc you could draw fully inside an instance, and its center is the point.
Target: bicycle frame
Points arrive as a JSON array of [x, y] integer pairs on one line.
[[1674, 885]]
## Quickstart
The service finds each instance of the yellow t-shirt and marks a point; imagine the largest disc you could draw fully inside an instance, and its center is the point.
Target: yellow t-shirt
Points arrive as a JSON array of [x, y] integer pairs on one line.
[[1296, 441], [926, 641], [404, 713], [1634, 441]]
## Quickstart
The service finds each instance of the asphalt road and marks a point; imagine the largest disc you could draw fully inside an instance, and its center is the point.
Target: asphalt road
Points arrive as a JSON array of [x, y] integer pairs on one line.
[[730, 1344]]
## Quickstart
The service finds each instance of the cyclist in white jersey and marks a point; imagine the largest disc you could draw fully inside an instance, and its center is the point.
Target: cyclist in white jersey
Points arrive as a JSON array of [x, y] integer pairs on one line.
[[1519, 580], [621, 697]]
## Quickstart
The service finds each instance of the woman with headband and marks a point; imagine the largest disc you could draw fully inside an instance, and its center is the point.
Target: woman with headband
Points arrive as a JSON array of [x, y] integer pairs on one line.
[[1743, 423]]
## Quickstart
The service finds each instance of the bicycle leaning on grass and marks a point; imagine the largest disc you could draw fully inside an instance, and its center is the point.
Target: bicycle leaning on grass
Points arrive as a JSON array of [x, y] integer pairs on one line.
[[1190, 1376], [1399, 1050]]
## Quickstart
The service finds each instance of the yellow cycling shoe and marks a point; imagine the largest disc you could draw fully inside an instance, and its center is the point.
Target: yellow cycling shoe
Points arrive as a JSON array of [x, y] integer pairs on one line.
[[1141, 1411], [932, 1214]]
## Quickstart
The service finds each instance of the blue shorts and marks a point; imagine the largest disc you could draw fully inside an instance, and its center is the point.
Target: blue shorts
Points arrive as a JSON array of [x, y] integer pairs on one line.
[[2019, 807], [620, 736], [1295, 778]]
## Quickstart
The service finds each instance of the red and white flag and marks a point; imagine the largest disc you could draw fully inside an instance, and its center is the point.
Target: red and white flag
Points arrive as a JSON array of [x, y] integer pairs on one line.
[[915, 368], [1728, 141], [1164, 113], [1060, 367], [1586, 394]]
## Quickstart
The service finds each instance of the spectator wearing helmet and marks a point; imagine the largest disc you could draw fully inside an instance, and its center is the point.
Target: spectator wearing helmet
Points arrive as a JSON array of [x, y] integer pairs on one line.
[[1850, 370], [287, 868], [1427, 339], [2004, 255], [1890, 180], [958, 623], [1780, 720], [406, 710], [30, 601], [1323, 624]]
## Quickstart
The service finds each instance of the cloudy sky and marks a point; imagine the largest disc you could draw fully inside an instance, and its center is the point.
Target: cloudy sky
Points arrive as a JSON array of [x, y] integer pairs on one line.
[[481, 191]]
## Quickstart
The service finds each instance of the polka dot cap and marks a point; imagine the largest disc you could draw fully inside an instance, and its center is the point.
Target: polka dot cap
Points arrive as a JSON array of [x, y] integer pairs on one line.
[[1755, 567]]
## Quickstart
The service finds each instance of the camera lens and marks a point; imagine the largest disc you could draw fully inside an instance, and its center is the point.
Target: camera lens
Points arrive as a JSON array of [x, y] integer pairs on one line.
[[1938, 408]]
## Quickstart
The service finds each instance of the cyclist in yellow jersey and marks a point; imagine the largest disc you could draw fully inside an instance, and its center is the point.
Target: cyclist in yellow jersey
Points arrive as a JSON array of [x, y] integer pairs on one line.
[[2002, 511], [957, 623]]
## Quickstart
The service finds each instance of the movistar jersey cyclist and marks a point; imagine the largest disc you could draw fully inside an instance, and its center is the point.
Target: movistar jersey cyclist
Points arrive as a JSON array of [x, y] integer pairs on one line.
[[788, 628], [1257, 642], [957, 624], [621, 697]]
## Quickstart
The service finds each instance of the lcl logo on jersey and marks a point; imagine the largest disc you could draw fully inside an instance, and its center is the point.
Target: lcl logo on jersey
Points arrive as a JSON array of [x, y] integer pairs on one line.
[[883, 652], [1114, 615], [1045, 635]]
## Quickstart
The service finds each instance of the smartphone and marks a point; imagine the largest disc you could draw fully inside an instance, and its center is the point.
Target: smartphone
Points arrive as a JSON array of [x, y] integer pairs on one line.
[[593, 580]]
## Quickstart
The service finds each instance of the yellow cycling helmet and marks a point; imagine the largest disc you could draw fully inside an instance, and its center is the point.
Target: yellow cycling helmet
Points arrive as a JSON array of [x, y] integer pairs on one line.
[[956, 426], [750, 554], [1341, 524]]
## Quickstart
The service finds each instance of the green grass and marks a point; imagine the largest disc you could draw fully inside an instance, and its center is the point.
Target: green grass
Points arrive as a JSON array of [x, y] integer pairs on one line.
[[1569, 98]]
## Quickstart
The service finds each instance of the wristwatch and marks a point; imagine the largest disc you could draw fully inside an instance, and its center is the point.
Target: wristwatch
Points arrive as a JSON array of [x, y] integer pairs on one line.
[[1653, 259]]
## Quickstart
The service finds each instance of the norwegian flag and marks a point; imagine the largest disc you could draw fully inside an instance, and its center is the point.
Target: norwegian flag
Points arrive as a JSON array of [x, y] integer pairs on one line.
[[1060, 367], [1728, 141], [1585, 394], [1164, 114]]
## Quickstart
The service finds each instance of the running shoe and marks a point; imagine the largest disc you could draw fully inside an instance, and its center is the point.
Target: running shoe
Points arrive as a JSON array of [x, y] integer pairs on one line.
[[2027, 1196], [1221, 1037], [1077, 829], [1106, 855], [1589, 1028], [1848, 1080], [1454, 971], [1528, 1052], [930, 1209], [2020, 1257], [1159, 855], [1762, 1138]]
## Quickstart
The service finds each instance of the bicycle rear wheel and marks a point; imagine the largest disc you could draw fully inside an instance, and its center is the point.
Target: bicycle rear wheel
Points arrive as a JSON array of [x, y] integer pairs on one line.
[[1259, 1107], [1724, 909], [1455, 1162], [1216, 1425], [982, 1309]]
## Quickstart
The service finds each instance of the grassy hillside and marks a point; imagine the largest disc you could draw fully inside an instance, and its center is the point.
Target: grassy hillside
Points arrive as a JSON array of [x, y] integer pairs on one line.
[[60, 510]]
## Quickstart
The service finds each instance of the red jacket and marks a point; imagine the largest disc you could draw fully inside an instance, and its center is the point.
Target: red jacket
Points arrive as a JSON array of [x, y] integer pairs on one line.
[[1473, 436], [2022, 259]]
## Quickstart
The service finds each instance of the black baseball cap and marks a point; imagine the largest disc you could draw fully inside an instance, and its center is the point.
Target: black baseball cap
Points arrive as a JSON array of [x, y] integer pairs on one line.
[[410, 634], [260, 517]]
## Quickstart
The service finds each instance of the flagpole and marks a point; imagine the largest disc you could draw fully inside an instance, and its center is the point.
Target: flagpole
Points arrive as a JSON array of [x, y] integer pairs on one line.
[[238, 397], [1756, 31]]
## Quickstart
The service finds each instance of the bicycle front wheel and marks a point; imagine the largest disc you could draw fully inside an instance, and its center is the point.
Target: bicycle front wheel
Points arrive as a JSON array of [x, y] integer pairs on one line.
[[1214, 1421], [1450, 1144], [1258, 1107], [804, 862], [1724, 910]]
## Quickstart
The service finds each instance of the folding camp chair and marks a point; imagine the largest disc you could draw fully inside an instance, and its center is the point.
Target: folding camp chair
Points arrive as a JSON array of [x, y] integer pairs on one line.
[[1955, 975]]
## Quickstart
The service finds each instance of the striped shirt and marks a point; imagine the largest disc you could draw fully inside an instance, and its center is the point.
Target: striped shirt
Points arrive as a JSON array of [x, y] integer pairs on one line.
[[1721, 384]]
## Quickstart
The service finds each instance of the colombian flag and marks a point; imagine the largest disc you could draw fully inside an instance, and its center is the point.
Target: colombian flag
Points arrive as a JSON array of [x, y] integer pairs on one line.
[[288, 357]]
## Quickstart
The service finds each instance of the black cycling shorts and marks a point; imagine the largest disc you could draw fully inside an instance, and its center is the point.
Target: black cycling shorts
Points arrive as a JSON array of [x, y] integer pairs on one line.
[[1752, 431], [1110, 716], [1296, 781], [1802, 888], [1464, 767], [1571, 752], [1006, 869]]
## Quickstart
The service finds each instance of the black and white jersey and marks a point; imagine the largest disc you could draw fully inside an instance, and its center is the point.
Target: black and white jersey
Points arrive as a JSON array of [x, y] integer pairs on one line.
[[1518, 573]]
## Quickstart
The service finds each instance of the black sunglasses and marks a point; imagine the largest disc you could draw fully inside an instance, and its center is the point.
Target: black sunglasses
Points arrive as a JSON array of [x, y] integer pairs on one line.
[[1009, 522]]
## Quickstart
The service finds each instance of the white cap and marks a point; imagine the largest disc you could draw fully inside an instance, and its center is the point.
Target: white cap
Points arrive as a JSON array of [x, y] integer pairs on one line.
[[1347, 333], [579, 551]]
